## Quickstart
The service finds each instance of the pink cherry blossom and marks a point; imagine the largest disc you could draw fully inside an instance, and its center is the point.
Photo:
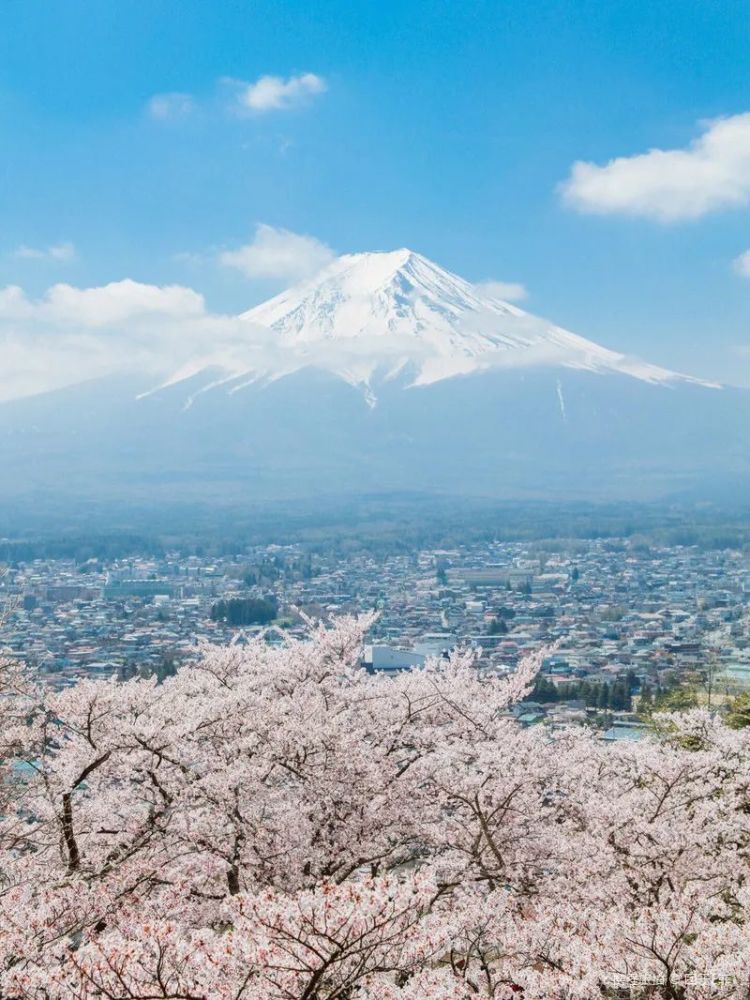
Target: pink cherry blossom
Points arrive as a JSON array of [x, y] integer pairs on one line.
[[274, 823]]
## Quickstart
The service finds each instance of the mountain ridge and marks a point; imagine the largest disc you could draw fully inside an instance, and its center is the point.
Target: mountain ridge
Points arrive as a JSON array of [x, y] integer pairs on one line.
[[369, 317], [406, 378]]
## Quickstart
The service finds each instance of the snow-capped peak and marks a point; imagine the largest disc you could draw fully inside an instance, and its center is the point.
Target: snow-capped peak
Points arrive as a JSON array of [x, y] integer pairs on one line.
[[380, 312], [372, 317], [372, 294]]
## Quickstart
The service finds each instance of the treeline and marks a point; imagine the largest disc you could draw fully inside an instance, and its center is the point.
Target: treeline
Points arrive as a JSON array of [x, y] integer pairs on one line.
[[616, 695], [381, 525], [240, 611], [652, 700], [79, 548]]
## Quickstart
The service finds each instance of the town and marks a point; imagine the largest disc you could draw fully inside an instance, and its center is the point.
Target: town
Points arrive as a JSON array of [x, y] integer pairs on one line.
[[628, 621]]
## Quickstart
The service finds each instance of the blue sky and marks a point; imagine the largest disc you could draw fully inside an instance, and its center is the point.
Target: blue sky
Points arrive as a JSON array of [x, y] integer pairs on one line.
[[451, 128]]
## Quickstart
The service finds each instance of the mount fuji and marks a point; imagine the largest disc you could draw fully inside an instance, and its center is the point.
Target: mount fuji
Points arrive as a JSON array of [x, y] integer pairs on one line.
[[382, 373], [371, 318]]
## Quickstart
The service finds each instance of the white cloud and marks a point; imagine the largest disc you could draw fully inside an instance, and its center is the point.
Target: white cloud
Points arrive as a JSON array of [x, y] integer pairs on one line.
[[509, 291], [59, 252], [278, 253], [741, 264], [120, 301], [713, 172], [274, 93], [109, 304], [267, 93], [70, 335], [174, 105]]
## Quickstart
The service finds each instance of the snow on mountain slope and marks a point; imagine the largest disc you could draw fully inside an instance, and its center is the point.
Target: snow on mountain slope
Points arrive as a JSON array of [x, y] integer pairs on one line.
[[381, 313], [270, 404]]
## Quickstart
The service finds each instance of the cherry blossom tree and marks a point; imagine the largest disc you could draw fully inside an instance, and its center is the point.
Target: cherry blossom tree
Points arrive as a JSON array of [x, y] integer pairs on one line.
[[273, 823]]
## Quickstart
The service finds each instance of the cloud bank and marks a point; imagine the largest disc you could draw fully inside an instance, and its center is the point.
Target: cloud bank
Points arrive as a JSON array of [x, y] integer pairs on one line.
[[278, 253], [673, 185], [70, 335]]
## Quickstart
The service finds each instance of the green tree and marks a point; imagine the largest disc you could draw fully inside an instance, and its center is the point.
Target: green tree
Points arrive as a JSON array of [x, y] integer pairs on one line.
[[738, 711], [676, 699], [497, 627], [645, 700], [239, 611]]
